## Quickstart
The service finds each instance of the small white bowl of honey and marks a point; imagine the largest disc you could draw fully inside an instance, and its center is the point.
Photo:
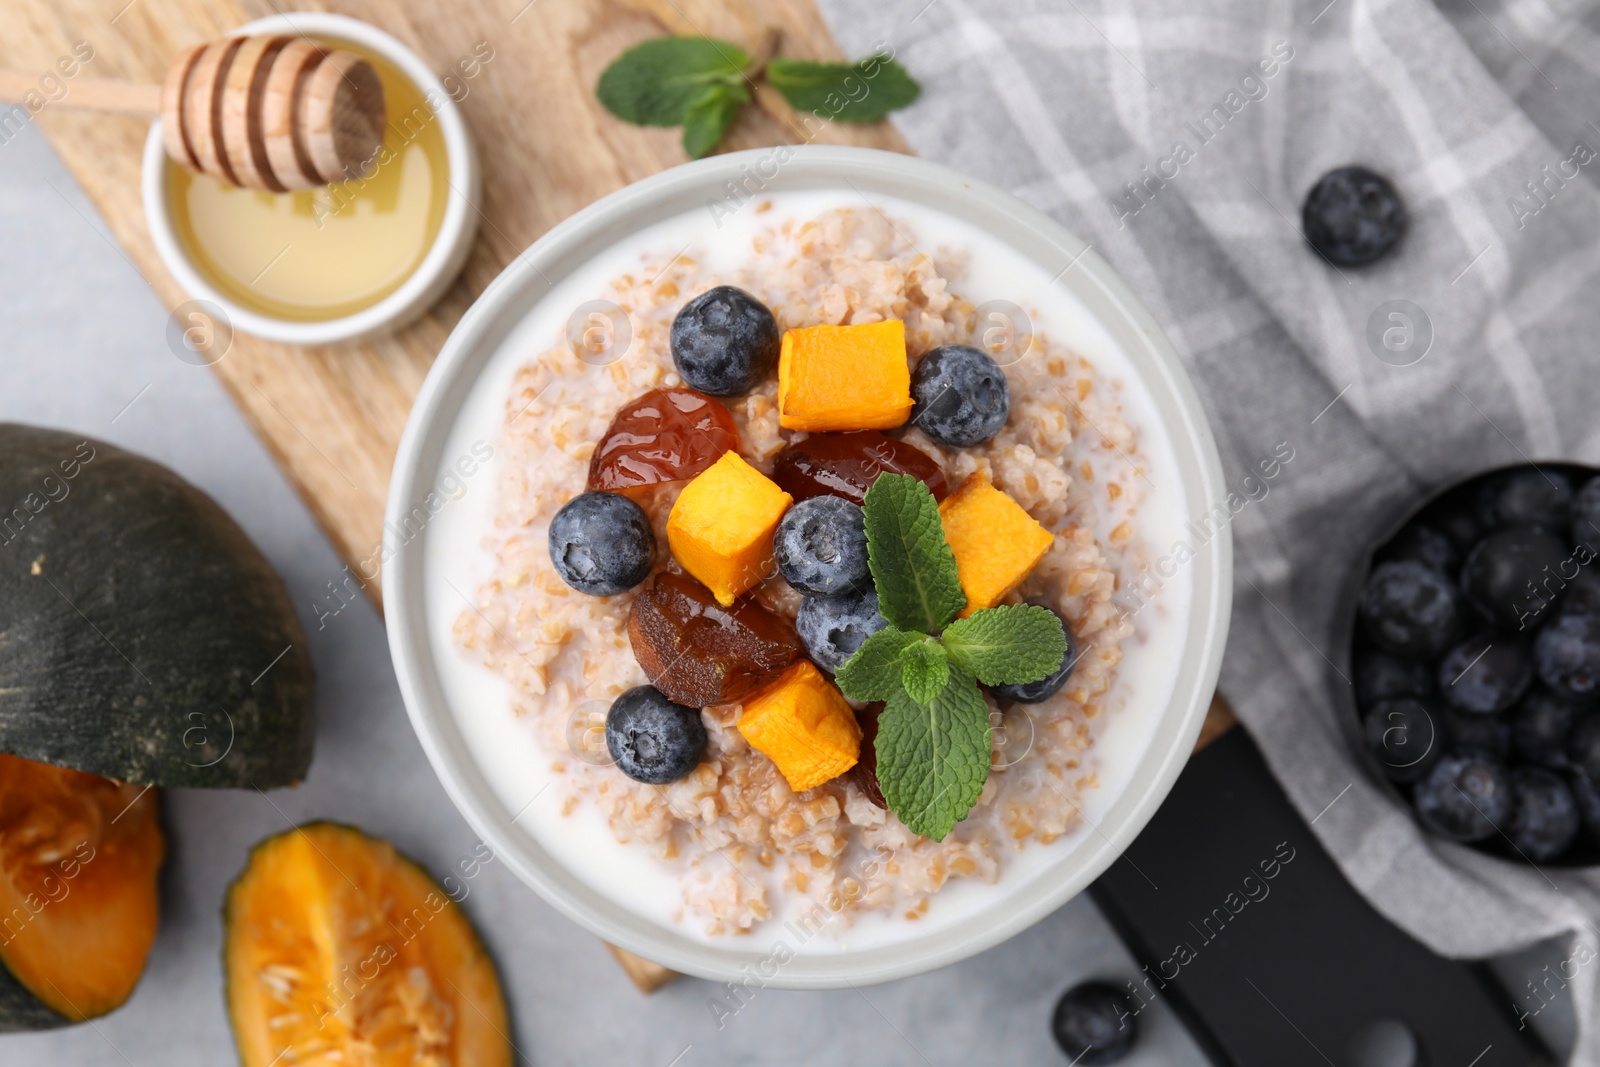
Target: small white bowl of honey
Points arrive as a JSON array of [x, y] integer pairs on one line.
[[340, 261]]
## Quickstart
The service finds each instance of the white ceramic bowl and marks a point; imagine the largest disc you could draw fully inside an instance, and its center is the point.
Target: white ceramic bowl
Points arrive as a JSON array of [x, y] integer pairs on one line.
[[422, 652], [438, 268]]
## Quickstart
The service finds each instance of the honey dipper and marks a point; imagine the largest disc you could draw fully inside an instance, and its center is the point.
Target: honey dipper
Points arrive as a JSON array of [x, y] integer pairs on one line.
[[269, 111]]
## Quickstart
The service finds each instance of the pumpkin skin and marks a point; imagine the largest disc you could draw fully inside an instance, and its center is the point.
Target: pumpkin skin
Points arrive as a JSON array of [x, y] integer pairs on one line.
[[143, 637], [334, 944], [79, 903]]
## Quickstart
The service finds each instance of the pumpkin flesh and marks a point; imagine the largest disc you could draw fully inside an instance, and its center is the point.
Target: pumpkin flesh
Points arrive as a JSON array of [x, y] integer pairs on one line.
[[79, 901], [341, 951]]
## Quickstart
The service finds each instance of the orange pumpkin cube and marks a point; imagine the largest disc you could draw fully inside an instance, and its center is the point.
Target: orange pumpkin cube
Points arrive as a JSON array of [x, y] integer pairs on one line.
[[844, 377], [996, 543], [802, 723], [720, 529]]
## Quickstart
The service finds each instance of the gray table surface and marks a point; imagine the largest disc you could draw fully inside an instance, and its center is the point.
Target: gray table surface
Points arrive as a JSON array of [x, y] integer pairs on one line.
[[82, 346]]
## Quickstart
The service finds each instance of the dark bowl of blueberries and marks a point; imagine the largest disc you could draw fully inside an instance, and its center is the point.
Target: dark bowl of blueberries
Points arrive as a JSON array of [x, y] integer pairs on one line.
[[1475, 663]]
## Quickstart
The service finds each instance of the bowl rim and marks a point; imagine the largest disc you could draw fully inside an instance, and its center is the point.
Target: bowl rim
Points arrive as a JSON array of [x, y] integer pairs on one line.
[[439, 267], [687, 187]]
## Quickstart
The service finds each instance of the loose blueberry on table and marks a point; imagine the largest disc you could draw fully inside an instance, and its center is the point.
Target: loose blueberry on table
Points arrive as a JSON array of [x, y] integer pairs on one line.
[[1353, 216], [1477, 663], [1094, 1024], [706, 621]]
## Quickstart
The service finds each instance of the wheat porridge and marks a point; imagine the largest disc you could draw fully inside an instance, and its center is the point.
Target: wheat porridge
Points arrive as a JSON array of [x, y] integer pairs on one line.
[[649, 654]]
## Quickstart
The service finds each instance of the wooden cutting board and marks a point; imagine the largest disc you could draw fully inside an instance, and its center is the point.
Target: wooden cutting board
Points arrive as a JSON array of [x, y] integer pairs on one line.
[[332, 415]]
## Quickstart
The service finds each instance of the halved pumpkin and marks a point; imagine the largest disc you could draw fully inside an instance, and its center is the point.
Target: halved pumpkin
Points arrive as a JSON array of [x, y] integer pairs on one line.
[[338, 950], [146, 638], [79, 857]]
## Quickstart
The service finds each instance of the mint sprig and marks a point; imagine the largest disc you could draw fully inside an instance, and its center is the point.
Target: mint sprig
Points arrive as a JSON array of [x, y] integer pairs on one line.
[[874, 673], [1011, 643], [934, 758], [708, 119], [700, 83], [657, 82], [864, 91], [912, 566], [924, 670], [933, 745]]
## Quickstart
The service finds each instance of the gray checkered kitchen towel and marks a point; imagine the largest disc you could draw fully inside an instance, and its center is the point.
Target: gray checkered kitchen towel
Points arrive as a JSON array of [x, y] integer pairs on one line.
[[1483, 113]]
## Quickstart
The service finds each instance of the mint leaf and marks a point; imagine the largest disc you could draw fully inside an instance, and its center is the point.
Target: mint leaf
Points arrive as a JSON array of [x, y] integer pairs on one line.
[[659, 82], [924, 669], [933, 759], [864, 91], [911, 562], [1015, 643], [873, 671], [707, 120]]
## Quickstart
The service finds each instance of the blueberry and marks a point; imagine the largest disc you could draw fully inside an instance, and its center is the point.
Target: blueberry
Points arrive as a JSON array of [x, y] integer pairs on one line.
[[601, 544], [1528, 496], [821, 546], [1546, 818], [833, 627], [724, 341], [1465, 797], [1567, 655], [1583, 593], [1050, 684], [1456, 521], [1485, 675], [1410, 609], [1421, 542], [1094, 1024], [1586, 515], [1583, 746], [1353, 216], [652, 739], [961, 395], [1588, 799], [1403, 737], [1382, 676], [1470, 733], [1513, 575], [1540, 726]]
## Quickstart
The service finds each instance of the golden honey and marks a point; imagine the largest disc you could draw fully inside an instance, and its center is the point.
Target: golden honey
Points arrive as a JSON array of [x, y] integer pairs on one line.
[[324, 253]]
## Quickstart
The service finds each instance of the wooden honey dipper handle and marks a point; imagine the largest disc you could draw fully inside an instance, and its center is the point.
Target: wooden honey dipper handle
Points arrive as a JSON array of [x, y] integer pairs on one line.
[[265, 112], [88, 94]]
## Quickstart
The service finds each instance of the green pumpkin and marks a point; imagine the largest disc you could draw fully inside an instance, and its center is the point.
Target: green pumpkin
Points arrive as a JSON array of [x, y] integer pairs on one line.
[[143, 637]]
